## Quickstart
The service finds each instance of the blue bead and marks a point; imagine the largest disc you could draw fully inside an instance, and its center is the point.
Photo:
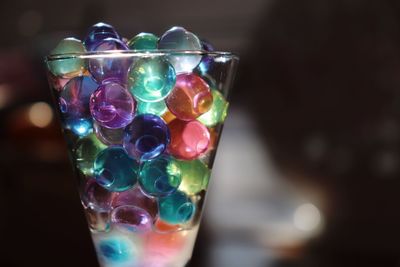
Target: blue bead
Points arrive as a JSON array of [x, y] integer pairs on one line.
[[115, 170], [116, 249], [98, 33], [176, 208], [146, 137], [80, 127]]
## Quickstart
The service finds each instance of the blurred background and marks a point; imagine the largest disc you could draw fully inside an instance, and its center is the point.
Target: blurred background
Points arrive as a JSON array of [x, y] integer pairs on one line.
[[308, 169]]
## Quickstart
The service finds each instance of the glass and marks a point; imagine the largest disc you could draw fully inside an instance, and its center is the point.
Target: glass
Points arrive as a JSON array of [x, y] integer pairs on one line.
[[142, 139]]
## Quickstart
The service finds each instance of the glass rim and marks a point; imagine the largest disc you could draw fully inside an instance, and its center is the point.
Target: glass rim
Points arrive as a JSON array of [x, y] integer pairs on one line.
[[139, 53]]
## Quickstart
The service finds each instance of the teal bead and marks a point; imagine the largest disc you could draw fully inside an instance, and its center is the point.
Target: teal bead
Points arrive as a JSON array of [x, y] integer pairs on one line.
[[143, 41], [217, 113], [115, 170], [160, 176], [176, 208], [117, 249], [156, 108], [68, 67], [151, 79]]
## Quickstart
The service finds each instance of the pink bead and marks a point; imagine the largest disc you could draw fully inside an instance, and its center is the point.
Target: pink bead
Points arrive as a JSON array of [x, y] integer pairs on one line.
[[189, 139]]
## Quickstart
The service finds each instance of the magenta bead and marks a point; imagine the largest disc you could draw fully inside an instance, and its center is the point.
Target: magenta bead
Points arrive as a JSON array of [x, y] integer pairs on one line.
[[112, 106], [96, 196], [110, 68], [135, 197], [132, 218]]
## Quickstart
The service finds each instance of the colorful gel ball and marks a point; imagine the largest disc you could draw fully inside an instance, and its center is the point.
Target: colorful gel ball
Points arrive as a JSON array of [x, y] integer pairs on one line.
[[115, 170], [157, 108], [99, 221], [160, 177], [190, 97], [109, 68], [217, 112], [97, 33], [135, 197], [95, 196], [112, 106], [86, 152], [151, 79], [108, 136], [68, 67], [143, 41], [178, 38], [117, 249], [74, 104], [176, 208], [132, 219], [146, 137], [195, 176], [189, 139]]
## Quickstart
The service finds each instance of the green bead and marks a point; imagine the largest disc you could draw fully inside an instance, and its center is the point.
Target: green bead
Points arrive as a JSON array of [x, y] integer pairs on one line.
[[68, 67], [86, 152], [195, 176], [217, 112], [151, 79], [143, 41], [156, 108], [160, 176]]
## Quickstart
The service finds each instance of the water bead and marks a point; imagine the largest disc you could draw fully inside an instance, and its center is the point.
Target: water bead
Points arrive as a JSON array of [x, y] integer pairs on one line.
[[110, 68], [112, 106], [108, 136], [190, 97], [189, 139], [156, 108], [195, 176], [135, 197], [176, 208], [146, 137], [57, 83], [217, 112], [68, 67], [168, 116], [86, 152], [115, 170], [96, 196], [143, 41], [162, 227], [132, 218], [178, 38], [151, 79], [98, 220], [160, 176], [98, 33], [116, 249], [74, 104]]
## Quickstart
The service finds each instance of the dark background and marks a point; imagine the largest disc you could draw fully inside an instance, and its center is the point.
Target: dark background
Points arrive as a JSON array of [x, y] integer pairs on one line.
[[318, 87]]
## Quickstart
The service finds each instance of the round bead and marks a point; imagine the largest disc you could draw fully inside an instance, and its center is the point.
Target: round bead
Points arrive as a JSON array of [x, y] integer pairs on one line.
[[189, 139], [115, 170], [68, 67], [57, 83], [112, 106], [195, 176], [98, 33], [160, 176], [135, 197], [117, 249], [132, 218], [146, 137], [217, 112], [190, 97], [98, 220], [156, 108], [110, 68], [108, 136], [178, 38], [151, 79], [95, 196], [143, 41], [176, 208], [86, 152], [74, 104]]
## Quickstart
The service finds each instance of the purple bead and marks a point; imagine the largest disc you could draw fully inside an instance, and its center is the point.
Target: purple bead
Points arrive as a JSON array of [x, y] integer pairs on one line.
[[132, 218], [74, 103], [98, 33], [135, 197], [146, 137], [207, 46], [112, 106], [110, 68]]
